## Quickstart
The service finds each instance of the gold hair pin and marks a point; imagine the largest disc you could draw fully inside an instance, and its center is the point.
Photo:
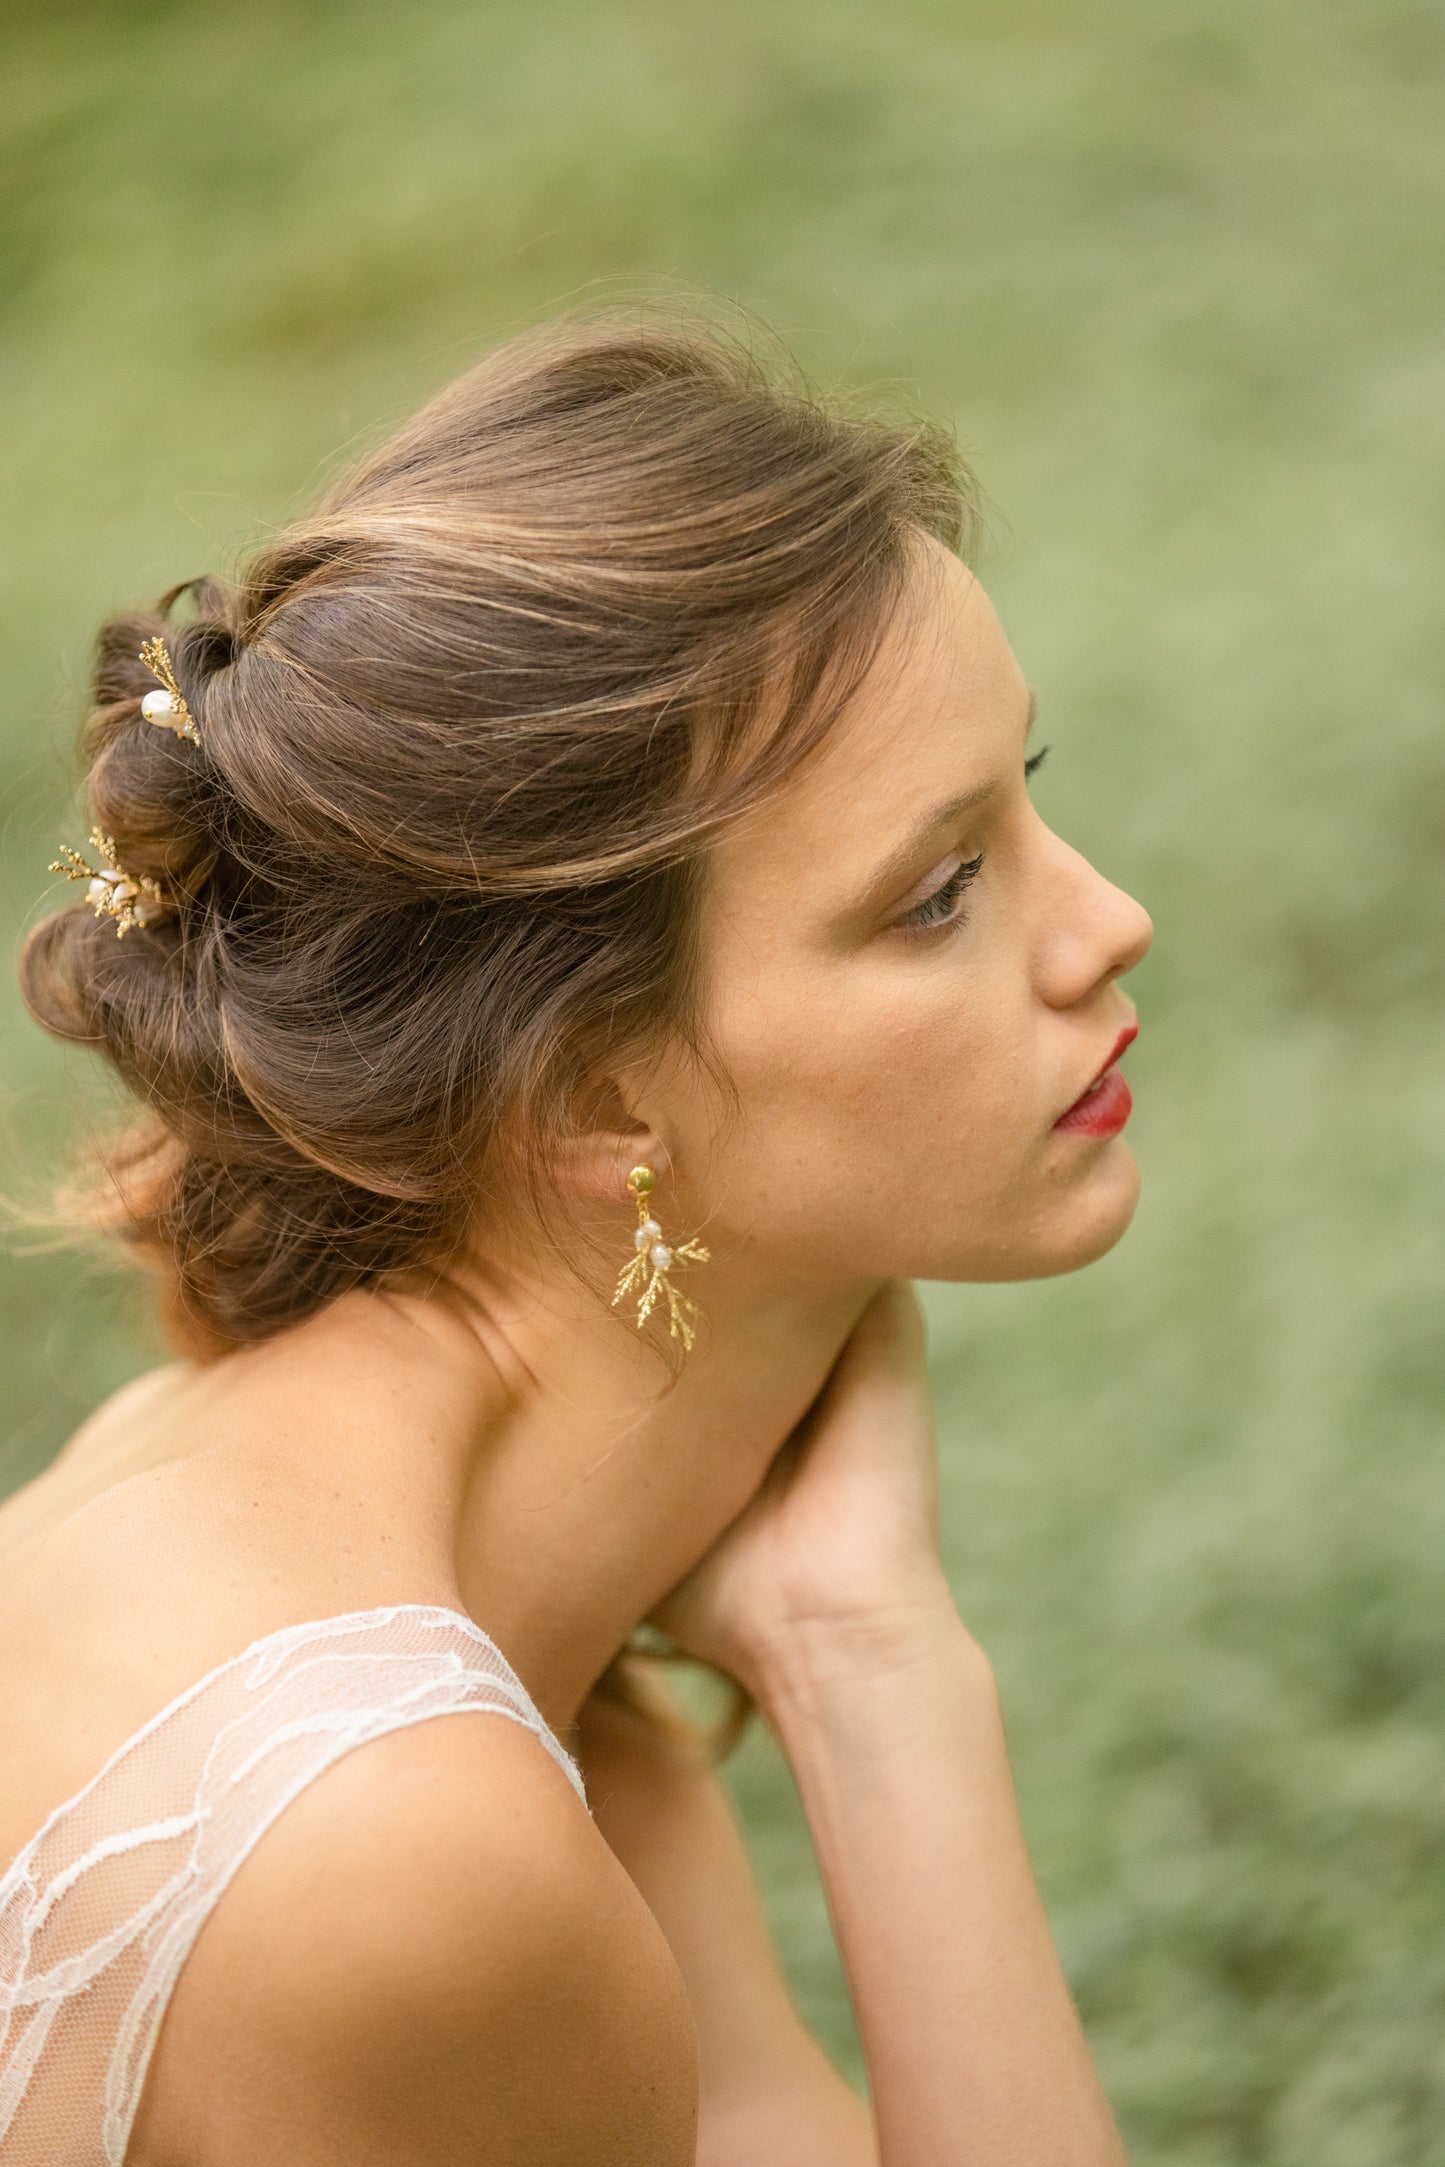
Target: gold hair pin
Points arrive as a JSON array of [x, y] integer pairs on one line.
[[652, 1262], [167, 709], [113, 893]]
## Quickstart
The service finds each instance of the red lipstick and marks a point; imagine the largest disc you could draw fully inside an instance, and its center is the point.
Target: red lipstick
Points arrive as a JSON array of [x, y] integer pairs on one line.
[[1106, 1105]]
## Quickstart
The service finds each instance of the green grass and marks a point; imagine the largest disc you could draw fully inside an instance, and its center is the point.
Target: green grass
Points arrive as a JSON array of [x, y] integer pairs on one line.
[[1175, 273]]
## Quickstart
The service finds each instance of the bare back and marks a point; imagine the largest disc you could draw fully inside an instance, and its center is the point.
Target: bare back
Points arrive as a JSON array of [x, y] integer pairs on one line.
[[142, 1562]]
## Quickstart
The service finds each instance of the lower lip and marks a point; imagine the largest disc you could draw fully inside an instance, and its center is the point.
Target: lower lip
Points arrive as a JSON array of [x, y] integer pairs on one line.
[[1099, 1113]]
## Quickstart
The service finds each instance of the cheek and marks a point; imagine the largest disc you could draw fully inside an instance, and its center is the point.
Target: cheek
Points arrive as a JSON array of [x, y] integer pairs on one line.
[[860, 1094]]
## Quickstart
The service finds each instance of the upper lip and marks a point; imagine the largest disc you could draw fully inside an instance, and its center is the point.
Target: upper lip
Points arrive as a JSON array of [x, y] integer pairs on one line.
[[1126, 1038]]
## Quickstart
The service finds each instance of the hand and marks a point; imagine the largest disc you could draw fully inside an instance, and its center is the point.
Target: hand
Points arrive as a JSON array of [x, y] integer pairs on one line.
[[842, 1535]]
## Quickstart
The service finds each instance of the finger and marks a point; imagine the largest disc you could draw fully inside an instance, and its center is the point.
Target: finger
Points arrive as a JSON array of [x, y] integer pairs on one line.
[[887, 1346]]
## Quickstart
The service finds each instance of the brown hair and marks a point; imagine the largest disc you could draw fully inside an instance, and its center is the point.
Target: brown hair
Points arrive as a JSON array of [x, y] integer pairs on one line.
[[465, 734]]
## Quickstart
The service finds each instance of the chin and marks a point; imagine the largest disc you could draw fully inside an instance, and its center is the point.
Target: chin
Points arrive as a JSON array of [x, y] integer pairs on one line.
[[1076, 1227], [1097, 1216]]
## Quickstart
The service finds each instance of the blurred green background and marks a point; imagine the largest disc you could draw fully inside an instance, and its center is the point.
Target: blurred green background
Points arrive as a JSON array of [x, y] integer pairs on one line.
[[1176, 272]]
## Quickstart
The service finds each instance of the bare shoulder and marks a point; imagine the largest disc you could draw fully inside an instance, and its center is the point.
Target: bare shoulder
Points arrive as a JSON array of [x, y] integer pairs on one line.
[[134, 1402], [431, 1957]]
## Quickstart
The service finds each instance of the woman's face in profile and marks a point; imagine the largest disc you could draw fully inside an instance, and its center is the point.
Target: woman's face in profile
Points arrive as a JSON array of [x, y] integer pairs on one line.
[[908, 978]]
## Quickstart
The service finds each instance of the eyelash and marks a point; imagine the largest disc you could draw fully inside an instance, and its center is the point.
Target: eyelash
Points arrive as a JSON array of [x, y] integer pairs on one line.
[[933, 911], [922, 918]]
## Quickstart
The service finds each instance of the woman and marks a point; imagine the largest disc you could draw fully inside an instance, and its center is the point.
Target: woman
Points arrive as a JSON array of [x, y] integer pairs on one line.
[[613, 796]]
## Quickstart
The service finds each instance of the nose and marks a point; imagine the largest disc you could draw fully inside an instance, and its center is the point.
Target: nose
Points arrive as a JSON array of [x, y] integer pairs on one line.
[[1093, 932], [1131, 929]]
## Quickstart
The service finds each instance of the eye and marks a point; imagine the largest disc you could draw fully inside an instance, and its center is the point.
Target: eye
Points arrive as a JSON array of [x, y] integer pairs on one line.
[[938, 909]]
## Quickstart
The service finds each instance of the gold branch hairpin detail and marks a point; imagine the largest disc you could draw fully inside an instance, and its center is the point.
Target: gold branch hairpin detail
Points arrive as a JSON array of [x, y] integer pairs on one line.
[[168, 709], [646, 1272], [112, 893]]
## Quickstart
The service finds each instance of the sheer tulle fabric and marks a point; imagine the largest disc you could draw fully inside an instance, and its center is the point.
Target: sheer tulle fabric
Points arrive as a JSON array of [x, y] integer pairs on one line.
[[101, 1908]]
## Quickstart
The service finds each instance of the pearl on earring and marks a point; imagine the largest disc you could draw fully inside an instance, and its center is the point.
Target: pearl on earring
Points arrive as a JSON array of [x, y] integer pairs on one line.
[[646, 1273]]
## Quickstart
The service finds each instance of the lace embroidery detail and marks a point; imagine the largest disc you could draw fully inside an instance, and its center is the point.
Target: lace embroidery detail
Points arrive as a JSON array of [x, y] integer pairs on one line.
[[100, 1910]]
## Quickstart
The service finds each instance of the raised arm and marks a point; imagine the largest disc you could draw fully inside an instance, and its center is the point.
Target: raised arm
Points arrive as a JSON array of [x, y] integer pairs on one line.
[[828, 1601], [973, 2045], [768, 2095]]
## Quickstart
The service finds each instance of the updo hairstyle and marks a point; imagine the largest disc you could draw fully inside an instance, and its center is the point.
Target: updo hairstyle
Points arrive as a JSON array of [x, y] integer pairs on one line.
[[466, 732]]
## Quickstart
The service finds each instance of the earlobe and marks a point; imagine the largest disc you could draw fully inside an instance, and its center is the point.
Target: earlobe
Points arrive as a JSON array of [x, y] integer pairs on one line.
[[590, 1158], [607, 1138], [596, 1163]]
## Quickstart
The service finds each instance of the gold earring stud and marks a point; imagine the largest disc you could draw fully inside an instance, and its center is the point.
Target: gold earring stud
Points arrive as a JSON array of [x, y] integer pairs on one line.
[[646, 1272]]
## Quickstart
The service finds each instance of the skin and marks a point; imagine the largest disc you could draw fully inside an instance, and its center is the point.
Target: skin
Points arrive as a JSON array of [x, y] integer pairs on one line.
[[899, 1085], [504, 1442]]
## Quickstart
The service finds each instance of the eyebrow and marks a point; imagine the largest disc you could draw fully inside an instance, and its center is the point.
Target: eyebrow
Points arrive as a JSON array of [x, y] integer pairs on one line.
[[896, 865]]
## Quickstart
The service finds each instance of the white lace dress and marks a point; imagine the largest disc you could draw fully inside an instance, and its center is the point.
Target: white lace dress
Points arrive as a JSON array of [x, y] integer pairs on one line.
[[100, 1910]]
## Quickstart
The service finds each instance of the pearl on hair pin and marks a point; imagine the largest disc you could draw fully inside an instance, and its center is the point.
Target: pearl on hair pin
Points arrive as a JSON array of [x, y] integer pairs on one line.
[[167, 706], [110, 891]]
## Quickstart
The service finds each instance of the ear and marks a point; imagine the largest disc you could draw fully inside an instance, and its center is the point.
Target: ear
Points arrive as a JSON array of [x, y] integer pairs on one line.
[[607, 1141]]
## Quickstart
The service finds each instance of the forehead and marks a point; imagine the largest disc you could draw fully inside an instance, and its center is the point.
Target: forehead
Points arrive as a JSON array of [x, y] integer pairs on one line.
[[939, 713]]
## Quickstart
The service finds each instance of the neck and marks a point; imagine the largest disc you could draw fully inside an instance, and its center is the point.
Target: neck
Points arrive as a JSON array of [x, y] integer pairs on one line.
[[580, 1481]]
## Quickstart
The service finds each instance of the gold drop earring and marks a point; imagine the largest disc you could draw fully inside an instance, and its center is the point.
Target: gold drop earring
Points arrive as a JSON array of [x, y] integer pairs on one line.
[[654, 1258]]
